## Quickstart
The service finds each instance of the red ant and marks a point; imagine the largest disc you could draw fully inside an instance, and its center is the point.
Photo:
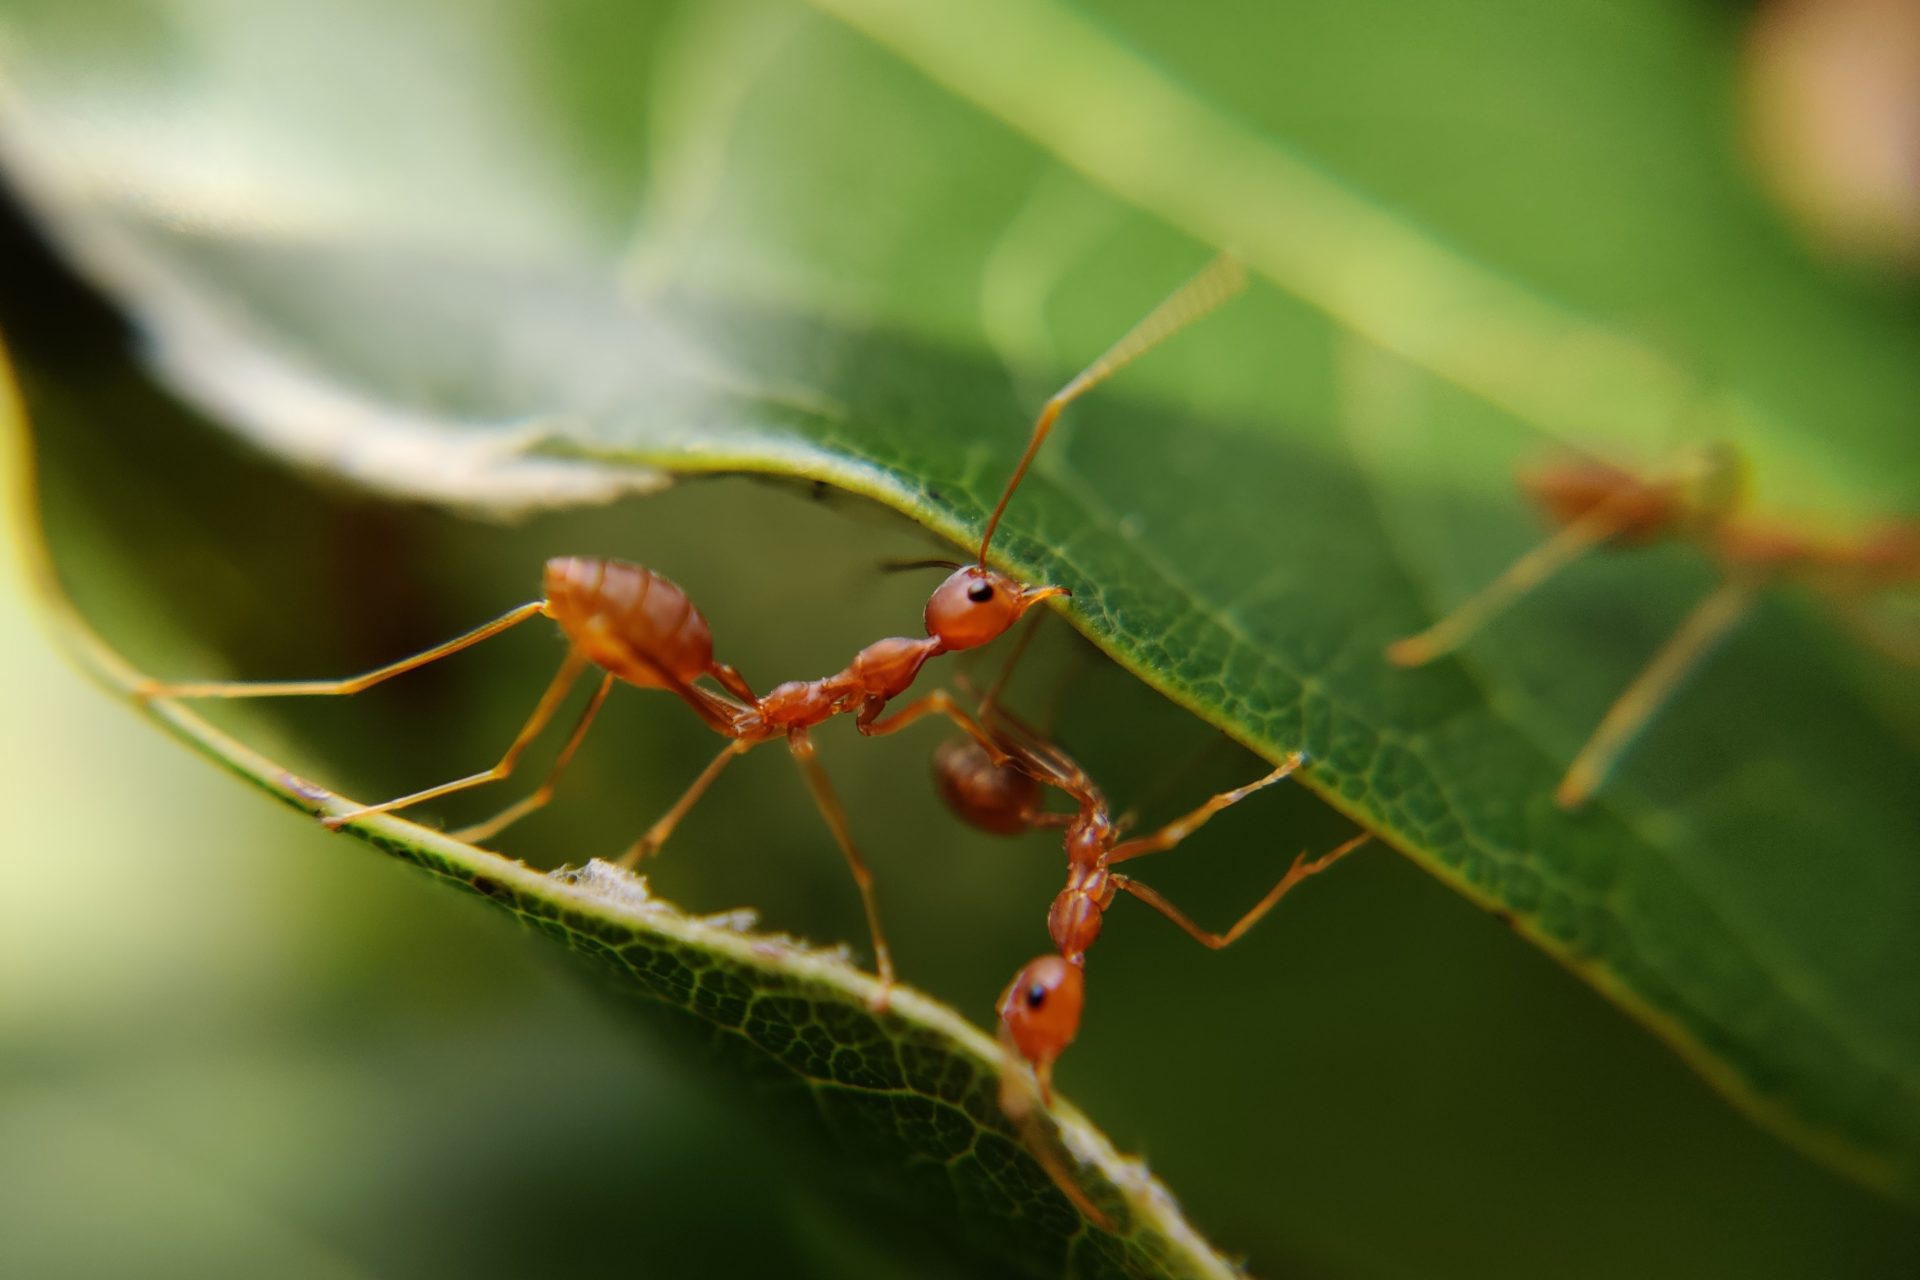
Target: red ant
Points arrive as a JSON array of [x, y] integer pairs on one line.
[[995, 783], [1001, 792], [638, 626], [1595, 504]]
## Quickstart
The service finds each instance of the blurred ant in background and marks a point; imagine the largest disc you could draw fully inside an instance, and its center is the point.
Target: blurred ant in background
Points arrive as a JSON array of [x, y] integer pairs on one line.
[[1597, 504]]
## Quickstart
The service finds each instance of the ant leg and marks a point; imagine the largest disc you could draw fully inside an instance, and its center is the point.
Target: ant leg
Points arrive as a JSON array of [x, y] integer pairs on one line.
[[938, 702], [563, 679], [544, 792], [1300, 870], [656, 835], [1533, 568], [1180, 828], [1709, 622], [324, 688], [817, 781], [1216, 282]]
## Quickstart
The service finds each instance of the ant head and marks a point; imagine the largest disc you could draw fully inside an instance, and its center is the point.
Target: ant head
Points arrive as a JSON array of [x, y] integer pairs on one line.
[[1040, 1011], [976, 604]]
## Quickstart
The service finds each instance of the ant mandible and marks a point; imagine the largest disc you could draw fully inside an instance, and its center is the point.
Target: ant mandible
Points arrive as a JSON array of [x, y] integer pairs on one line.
[[637, 626], [1597, 504]]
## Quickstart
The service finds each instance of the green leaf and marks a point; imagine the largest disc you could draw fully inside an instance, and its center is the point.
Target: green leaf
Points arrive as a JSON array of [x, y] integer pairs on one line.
[[913, 1089], [840, 238]]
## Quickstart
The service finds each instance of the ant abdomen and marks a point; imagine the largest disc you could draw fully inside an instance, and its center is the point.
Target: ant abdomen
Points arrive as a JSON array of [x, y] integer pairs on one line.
[[996, 798], [628, 619]]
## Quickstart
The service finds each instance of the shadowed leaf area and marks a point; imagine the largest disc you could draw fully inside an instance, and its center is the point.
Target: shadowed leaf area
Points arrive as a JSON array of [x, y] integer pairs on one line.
[[1246, 519]]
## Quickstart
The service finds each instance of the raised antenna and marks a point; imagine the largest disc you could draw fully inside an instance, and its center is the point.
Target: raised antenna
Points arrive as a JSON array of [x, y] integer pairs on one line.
[[1216, 282]]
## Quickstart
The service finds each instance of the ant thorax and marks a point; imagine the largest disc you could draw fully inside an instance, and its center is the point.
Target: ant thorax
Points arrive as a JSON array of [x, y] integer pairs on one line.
[[881, 671], [885, 668], [797, 702], [1090, 837], [1078, 911]]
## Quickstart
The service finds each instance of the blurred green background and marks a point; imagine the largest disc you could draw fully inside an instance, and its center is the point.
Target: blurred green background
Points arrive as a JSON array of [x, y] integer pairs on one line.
[[231, 1044]]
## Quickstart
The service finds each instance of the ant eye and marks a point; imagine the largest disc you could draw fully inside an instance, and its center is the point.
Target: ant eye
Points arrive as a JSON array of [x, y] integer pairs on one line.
[[1036, 995], [980, 592]]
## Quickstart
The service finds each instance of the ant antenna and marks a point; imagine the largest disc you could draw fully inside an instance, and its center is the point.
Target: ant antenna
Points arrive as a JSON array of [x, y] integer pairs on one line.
[[930, 562], [1215, 283]]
